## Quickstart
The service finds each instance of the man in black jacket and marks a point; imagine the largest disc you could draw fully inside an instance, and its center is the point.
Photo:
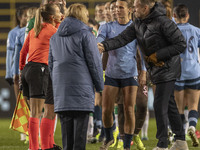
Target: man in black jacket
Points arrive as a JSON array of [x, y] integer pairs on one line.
[[161, 42]]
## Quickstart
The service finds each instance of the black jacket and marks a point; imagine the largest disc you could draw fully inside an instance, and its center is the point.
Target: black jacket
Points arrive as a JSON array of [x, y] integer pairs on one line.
[[155, 33]]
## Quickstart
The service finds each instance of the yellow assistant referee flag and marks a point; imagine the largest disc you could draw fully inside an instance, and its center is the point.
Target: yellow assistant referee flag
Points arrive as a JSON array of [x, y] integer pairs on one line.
[[21, 115]]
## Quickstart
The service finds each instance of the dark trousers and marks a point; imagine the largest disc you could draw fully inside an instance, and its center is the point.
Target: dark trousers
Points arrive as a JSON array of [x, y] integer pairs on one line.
[[165, 107], [74, 126]]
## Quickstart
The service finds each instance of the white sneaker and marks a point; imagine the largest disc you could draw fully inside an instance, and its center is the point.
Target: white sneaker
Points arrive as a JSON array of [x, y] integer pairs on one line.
[[191, 133], [179, 145], [105, 145], [22, 137]]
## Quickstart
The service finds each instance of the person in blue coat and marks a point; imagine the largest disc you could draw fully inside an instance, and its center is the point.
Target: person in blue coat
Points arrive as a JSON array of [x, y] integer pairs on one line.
[[76, 71], [187, 87]]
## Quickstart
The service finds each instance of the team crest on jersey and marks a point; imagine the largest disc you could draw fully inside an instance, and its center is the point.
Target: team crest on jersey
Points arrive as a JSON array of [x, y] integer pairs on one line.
[[136, 78], [42, 68], [113, 31]]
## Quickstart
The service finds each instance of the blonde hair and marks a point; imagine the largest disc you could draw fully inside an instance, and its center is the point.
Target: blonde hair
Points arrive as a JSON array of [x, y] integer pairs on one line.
[[31, 13], [77, 11], [168, 7], [43, 15], [168, 12]]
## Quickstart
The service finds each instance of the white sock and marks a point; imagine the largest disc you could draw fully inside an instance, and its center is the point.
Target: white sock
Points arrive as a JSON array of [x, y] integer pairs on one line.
[[116, 120], [144, 130], [56, 120], [186, 125], [90, 127]]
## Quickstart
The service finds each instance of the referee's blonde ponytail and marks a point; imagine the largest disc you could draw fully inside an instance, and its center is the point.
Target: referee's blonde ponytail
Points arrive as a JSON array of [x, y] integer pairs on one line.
[[38, 21], [43, 14]]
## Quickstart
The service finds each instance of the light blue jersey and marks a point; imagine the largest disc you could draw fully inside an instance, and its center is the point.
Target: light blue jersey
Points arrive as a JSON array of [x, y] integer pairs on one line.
[[18, 46], [10, 51], [190, 65], [121, 62]]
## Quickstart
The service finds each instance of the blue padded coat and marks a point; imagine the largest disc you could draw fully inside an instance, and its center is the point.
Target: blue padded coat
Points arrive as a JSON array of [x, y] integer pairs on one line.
[[75, 66]]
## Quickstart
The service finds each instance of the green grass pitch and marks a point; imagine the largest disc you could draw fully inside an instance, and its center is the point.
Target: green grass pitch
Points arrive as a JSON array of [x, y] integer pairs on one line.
[[10, 140]]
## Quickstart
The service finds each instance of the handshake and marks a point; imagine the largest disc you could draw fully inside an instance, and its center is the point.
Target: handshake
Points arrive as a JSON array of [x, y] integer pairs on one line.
[[101, 47], [150, 59]]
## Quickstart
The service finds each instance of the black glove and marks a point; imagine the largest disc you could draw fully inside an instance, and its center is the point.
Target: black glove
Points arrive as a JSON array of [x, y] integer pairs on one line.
[[10, 81], [153, 59]]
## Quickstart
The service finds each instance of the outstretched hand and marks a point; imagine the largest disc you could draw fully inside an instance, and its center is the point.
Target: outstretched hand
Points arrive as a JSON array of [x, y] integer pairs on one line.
[[101, 47]]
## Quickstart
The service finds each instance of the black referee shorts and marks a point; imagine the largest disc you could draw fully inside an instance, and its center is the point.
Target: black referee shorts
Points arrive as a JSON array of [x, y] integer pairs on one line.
[[35, 80]]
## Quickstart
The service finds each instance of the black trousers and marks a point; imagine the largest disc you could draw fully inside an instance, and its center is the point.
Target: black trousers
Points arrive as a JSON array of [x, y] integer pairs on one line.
[[74, 129], [165, 107]]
